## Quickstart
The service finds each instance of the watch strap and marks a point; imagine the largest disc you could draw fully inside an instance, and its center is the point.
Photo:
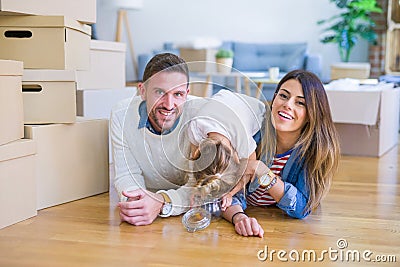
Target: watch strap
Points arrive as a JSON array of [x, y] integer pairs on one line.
[[272, 183], [167, 202], [167, 199]]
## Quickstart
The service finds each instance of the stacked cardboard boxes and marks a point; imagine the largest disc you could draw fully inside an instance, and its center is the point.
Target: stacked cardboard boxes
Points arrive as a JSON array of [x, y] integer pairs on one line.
[[43, 57], [17, 155], [100, 88], [11, 106]]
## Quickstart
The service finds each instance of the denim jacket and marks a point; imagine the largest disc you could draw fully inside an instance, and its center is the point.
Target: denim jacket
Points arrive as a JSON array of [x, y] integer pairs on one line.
[[296, 193]]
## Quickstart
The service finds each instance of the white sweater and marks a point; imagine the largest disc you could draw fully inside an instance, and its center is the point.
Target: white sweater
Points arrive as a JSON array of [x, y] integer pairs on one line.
[[149, 161], [159, 162]]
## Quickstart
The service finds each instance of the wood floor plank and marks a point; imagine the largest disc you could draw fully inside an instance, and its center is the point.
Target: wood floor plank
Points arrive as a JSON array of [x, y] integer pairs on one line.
[[362, 208]]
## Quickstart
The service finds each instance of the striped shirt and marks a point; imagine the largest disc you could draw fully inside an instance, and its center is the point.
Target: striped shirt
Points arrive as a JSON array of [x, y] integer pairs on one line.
[[261, 197]]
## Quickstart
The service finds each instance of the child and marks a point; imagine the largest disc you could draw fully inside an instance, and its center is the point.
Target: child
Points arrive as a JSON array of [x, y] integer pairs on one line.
[[222, 134], [306, 156]]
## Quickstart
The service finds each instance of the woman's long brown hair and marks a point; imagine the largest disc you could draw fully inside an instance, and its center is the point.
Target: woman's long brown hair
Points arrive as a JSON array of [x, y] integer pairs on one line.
[[318, 144]]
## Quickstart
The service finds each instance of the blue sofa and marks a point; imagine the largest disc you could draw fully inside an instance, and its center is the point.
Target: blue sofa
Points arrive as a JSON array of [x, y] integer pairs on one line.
[[257, 57]]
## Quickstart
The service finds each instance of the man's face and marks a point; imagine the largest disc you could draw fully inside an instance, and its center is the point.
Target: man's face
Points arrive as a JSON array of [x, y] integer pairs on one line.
[[164, 93]]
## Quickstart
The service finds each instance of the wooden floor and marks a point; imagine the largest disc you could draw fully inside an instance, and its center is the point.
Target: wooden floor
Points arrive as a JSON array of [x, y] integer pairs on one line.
[[362, 210]]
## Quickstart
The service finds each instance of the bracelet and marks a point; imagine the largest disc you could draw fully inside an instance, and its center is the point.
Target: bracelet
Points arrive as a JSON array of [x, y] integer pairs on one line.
[[239, 212]]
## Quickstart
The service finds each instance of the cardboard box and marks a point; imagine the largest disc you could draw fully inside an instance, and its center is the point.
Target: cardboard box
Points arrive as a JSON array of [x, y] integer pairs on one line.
[[71, 160], [367, 119], [49, 96], [17, 181], [87, 104], [11, 106], [81, 10], [350, 70], [107, 66], [45, 42], [205, 56], [392, 62], [200, 87], [97, 104]]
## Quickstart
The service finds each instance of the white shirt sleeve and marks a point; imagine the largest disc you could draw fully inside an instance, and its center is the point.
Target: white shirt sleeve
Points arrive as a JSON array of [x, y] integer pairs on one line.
[[243, 116]]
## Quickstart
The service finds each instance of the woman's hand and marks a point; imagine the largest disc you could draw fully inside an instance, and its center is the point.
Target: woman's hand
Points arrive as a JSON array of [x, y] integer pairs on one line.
[[244, 225]]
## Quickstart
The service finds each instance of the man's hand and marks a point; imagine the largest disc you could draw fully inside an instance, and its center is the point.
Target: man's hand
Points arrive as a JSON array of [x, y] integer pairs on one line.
[[141, 208]]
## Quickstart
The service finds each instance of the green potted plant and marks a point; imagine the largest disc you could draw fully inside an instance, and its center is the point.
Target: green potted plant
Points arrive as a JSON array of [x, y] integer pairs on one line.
[[224, 59], [355, 21]]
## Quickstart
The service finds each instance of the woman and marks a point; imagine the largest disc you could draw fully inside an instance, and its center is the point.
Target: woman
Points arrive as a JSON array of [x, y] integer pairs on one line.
[[306, 157]]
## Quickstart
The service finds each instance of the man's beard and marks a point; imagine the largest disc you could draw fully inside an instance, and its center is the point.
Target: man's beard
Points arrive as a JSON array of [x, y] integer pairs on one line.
[[166, 124]]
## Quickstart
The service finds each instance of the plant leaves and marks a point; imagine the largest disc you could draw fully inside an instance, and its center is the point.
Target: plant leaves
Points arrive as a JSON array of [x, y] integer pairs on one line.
[[355, 21]]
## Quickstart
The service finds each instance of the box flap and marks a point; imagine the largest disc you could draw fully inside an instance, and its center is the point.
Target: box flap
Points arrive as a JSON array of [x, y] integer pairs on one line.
[[43, 22], [11, 68], [17, 149], [357, 107], [107, 46], [32, 75]]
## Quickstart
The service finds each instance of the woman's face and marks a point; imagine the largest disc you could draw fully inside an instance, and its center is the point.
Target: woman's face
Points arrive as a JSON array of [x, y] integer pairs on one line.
[[289, 108]]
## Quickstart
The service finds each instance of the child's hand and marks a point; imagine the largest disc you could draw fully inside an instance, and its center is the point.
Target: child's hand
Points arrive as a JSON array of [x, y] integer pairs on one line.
[[226, 201], [248, 226]]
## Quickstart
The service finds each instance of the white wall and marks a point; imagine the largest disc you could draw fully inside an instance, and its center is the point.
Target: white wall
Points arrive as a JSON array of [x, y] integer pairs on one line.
[[162, 21]]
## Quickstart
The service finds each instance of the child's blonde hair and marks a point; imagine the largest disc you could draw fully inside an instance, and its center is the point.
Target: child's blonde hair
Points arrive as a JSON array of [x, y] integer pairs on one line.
[[216, 167]]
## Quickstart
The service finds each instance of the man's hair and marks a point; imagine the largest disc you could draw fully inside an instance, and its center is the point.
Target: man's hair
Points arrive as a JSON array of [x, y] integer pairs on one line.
[[165, 62]]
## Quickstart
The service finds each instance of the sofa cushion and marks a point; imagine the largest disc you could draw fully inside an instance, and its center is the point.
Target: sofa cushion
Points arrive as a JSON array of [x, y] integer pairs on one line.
[[260, 57]]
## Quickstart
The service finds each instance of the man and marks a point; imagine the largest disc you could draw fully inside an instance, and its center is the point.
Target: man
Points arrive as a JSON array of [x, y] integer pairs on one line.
[[149, 143]]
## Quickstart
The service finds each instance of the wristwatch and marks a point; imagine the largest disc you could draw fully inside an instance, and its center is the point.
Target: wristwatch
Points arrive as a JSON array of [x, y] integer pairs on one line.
[[167, 205], [267, 179]]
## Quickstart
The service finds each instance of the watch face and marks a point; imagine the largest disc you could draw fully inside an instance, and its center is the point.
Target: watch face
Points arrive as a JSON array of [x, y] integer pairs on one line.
[[166, 208], [264, 180]]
